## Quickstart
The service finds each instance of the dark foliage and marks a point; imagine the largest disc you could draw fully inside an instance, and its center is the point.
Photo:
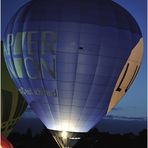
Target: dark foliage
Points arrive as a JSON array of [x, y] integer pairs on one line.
[[92, 139], [95, 139]]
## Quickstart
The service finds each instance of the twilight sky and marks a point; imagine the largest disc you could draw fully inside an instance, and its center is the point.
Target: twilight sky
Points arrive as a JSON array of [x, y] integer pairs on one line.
[[134, 103]]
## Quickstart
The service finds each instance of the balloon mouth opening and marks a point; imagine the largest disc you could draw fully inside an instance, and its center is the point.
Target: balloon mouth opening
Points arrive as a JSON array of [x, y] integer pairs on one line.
[[66, 139]]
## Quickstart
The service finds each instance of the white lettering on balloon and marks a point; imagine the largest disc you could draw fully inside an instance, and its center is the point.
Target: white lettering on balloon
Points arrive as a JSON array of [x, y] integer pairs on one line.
[[38, 92], [31, 56], [22, 49]]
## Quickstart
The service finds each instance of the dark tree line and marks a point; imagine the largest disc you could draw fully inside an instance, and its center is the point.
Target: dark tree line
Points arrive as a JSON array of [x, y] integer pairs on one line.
[[95, 139], [92, 139]]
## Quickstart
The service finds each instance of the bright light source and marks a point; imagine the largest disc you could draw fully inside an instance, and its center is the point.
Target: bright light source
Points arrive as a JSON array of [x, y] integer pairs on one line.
[[64, 135], [75, 138]]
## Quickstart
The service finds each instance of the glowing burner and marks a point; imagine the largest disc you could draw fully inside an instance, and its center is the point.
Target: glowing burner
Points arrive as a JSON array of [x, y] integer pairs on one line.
[[64, 135]]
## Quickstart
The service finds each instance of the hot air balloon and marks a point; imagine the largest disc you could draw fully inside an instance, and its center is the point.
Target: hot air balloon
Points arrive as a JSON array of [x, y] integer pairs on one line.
[[72, 60], [5, 143], [12, 103]]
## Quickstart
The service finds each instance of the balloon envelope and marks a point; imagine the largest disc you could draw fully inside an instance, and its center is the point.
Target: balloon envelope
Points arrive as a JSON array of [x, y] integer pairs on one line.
[[5, 143], [70, 59]]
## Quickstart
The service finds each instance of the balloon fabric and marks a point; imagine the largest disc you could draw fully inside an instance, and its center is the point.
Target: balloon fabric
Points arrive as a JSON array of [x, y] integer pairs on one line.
[[72, 60]]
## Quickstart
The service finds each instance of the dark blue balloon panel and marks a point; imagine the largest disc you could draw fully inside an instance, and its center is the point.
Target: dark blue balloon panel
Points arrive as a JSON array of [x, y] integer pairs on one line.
[[65, 57]]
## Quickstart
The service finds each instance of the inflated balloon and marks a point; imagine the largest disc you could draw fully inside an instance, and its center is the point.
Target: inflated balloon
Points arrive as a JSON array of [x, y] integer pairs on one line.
[[12, 102], [72, 60], [5, 143]]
